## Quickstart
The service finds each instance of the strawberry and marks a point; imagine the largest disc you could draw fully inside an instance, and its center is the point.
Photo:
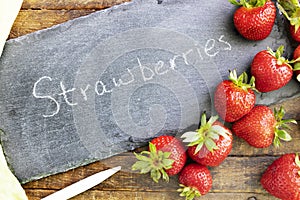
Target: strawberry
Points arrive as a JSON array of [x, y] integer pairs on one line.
[[195, 181], [282, 177], [210, 144], [261, 126], [166, 157], [271, 70], [234, 98], [255, 19], [291, 10], [296, 56]]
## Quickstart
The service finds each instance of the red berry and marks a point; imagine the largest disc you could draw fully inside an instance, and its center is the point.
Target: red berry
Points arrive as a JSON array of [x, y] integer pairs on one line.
[[177, 150], [295, 34], [271, 71], [296, 55], [196, 180], [234, 98], [282, 177], [260, 127], [210, 144], [254, 21], [166, 156]]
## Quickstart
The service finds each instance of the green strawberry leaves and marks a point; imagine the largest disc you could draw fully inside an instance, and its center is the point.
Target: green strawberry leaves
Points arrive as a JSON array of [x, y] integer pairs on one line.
[[282, 60], [155, 162], [278, 55], [206, 135], [291, 10], [297, 66], [249, 3], [281, 124], [188, 192], [242, 80]]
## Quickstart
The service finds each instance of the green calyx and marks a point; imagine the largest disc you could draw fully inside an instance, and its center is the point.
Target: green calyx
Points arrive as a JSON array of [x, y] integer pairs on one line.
[[242, 80], [280, 59], [249, 3], [291, 10], [280, 133], [297, 161], [296, 66], [206, 135], [188, 192], [153, 162]]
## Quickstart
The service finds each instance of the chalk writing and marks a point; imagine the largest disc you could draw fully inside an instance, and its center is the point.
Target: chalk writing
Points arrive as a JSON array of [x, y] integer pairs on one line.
[[45, 97], [211, 49]]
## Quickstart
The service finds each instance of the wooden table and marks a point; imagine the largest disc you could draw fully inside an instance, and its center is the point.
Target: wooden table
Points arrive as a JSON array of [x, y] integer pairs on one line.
[[236, 178]]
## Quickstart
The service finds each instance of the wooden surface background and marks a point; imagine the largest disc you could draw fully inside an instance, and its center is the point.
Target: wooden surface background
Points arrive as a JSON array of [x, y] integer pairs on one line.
[[236, 178]]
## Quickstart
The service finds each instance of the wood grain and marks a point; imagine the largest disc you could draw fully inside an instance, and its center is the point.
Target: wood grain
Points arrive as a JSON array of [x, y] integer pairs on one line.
[[40, 14], [29, 21], [237, 178], [70, 4], [234, 175], [120, 195]]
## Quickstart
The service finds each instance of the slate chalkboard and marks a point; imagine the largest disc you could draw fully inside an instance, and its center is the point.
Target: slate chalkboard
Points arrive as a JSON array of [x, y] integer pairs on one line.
[[109, 82]]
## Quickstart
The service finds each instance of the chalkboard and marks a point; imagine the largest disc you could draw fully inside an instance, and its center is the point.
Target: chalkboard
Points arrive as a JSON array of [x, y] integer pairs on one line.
[[107, 83]]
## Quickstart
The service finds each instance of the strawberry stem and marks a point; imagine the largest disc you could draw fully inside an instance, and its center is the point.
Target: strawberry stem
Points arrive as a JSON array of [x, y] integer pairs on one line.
[[281, 124], [153, 162]]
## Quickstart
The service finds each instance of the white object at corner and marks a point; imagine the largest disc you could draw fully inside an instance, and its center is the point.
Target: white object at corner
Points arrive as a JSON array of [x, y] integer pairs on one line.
[[10, 188], [82, 185], [9, 10]]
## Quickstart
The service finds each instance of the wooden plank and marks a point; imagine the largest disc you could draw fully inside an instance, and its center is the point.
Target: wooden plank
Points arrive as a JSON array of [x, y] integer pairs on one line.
[[140, 195], [70, 4], [40, 14], [234, 175], [29, 21]]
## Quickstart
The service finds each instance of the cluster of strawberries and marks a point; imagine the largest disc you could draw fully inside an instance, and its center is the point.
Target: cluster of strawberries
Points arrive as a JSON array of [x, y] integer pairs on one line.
[[234, 101], [255, 19]]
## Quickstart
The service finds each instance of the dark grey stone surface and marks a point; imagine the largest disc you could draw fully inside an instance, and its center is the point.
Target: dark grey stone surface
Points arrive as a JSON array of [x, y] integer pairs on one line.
[[108, 82]]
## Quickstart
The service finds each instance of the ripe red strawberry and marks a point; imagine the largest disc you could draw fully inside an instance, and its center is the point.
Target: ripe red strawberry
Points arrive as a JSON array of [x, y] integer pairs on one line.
[[234, 98], [210, 144], [166, 157], [195, 181], [282, 177], [271, 70], [255, 19], [261, 126], [297, 64], [290, 8]]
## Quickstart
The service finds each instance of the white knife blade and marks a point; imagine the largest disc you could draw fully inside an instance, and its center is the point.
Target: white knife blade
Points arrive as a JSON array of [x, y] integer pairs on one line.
[[9, 10], [82, 185]]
